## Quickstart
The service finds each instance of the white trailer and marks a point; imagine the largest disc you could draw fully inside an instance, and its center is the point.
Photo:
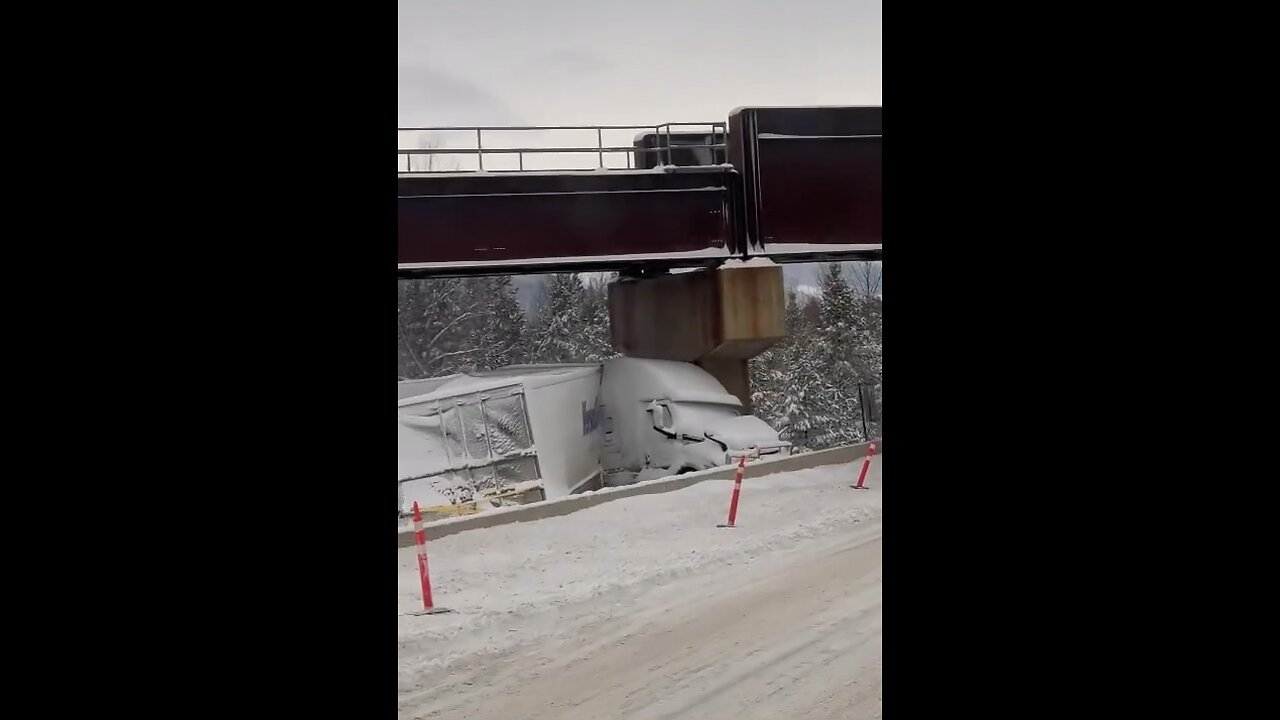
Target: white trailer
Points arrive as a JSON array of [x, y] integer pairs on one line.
[[489, 433]]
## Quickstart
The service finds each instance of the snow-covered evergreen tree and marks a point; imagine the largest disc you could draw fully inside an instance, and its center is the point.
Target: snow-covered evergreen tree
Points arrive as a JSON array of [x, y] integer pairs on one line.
[[572, 324], [787, 380], [766, 399], [807, 411], [837, 343], [867, 335], [596, 341], [498, 334], [432, 323], [555, 328], [835, 323]]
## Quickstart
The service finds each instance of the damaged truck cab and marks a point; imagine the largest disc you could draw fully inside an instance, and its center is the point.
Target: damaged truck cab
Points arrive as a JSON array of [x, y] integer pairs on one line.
[[674, 416]]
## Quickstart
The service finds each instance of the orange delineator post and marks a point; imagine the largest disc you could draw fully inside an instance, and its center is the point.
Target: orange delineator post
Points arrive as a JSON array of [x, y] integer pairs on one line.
[[737, 489], [871, 452], [420, 540]]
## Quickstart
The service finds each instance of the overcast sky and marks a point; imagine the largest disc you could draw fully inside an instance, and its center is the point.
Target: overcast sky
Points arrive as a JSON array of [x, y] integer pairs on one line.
[[587, 62], [583, 62]]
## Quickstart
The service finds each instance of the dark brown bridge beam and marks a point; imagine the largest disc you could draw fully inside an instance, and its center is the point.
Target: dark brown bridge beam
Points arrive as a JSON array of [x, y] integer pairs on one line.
[[810, 176], [509, 218]]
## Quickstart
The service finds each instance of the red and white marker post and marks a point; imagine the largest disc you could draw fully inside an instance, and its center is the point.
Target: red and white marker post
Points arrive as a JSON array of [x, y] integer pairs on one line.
[[420, 540], [737, 488], [871, 452]]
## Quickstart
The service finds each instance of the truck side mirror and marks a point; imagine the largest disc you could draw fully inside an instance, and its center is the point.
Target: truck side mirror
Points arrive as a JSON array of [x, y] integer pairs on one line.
[[660, 414]]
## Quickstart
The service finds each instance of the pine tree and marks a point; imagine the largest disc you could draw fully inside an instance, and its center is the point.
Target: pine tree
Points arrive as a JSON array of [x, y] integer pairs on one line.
[[498, 331], [806, 412], [765, 396], [559, 319], [432, 319], [768, 371], [867, 335], [595, 339], [572, 324], [788, 382], [837, 343], [835, 324]]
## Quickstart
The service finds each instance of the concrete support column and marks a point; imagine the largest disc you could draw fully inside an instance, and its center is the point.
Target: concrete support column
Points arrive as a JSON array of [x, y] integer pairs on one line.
[[733, 374], [717, 318]]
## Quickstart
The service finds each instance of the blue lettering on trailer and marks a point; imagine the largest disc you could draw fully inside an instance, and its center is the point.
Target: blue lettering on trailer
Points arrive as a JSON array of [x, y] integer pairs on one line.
[[590, 417]]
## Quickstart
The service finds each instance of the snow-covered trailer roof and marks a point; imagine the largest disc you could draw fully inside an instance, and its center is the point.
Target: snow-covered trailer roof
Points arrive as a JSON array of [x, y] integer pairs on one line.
[[409, 388], [490, 380], [668, 380]]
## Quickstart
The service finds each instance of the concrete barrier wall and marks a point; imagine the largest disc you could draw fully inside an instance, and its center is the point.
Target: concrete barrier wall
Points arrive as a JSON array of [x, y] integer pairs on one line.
[[565, 505]]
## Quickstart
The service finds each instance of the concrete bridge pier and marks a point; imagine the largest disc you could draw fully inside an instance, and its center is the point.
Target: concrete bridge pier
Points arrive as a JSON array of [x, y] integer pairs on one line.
[[718, 318]]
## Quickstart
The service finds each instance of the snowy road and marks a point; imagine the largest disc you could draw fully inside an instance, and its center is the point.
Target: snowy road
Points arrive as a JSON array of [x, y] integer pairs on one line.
[[641, 608]]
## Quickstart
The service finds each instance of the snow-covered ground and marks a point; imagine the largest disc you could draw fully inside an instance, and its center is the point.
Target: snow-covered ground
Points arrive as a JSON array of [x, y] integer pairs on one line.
[[642, 608]]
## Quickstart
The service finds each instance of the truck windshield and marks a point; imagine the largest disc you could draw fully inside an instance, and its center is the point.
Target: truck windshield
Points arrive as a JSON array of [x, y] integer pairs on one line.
[[693, 417]]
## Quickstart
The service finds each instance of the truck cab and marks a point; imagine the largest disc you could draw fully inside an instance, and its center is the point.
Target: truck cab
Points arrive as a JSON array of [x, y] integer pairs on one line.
[[675, 416]]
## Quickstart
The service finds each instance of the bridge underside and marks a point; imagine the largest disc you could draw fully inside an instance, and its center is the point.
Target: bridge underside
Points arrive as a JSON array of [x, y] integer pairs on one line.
[[801, 185], [626, 265]]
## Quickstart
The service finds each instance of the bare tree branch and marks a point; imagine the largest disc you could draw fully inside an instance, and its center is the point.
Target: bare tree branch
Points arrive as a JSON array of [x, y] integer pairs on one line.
[[455, 352], [409, 347], [866, 279], [468, 314], [430, 160]]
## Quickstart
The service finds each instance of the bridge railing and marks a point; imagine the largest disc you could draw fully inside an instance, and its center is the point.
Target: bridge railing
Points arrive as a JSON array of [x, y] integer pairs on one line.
[[555, 148]]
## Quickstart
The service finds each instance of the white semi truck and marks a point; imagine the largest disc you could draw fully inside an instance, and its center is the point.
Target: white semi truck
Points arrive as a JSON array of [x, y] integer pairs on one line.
[[553, 430]]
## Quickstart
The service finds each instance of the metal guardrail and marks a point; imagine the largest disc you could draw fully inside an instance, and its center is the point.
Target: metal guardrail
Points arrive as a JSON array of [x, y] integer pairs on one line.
[[665, 146]]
